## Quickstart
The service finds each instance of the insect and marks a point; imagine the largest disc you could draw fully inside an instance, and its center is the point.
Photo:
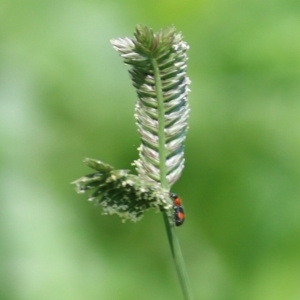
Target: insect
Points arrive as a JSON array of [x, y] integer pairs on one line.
[[179, 214]]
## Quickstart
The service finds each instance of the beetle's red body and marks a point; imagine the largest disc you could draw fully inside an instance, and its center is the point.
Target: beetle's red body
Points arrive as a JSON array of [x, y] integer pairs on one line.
[[179, 215]]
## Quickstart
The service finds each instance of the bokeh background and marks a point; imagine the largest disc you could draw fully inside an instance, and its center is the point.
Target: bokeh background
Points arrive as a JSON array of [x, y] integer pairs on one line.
[[65, 95]]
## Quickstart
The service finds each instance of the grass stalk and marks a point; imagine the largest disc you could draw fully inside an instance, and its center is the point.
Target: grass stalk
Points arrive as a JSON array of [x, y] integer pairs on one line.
[[170, 228]]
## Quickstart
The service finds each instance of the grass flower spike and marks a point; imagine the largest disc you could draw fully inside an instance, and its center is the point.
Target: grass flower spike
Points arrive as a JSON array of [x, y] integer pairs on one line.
[[158, 72], [121, 193]]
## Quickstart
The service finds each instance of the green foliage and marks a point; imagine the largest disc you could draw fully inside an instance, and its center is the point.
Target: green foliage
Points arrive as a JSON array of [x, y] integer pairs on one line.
[[64, 95]]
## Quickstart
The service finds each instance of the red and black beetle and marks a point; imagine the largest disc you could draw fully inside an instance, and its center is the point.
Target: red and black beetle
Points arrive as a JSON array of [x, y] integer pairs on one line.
[[179, 215]]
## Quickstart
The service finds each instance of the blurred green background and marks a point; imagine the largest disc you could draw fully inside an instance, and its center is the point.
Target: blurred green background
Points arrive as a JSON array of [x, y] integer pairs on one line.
[[65, 95]]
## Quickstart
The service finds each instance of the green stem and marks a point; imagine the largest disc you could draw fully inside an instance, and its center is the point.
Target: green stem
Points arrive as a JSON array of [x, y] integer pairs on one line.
[[170, 228], [178, 259], [161, 126]]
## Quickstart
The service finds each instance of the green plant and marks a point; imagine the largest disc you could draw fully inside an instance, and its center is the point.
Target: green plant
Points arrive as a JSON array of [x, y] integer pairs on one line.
[[158, 71]]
